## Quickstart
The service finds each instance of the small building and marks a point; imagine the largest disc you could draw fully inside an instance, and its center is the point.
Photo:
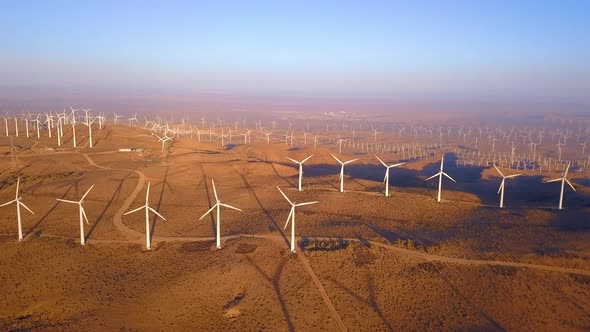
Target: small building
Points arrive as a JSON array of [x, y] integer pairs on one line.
[[139, 150]]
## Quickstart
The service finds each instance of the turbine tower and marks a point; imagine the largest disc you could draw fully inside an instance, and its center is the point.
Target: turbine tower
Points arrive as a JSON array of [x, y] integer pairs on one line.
[[563, 181], [300, 168], [502, 185], [82, 213], [17, 199], [342, 170], [217, 206], [440, 175], [146, 206], [386, 179], [291, 217]]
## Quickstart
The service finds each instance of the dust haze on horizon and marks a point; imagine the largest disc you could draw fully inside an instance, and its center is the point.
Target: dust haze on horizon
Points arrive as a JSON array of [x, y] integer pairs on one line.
[[370, 56]]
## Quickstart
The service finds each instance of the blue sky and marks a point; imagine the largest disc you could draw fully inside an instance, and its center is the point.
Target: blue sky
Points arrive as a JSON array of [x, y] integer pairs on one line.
[[506, 50]]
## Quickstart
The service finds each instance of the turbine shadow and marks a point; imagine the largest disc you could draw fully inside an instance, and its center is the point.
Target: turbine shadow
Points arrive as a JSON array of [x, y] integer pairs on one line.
[[114, 197], [274, 226], [274, 280], [155, 217], [213, 230], [371, 300]]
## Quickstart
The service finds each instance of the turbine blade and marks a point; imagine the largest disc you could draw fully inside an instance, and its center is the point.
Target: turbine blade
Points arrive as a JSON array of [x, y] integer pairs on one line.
[[23, 205], [208, 211], [512, 176], [396, 165], [554, 180], [215, 191], [156, 212], [384, 164], [497, 169], [445, 174], [293, 160], [14, 200], [306, 203], [287, 198], [135, 210], [304, 160], [67, 201], [501, 186], [17, 187], [289, 217], [333, 156], [432, 177], [231, 207], [84, 215], [348, 162], [84, 196], [568, 182], [567, 169], [147, 194]]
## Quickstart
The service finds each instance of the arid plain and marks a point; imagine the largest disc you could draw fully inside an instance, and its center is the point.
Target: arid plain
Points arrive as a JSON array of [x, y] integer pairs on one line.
[[364, 261]]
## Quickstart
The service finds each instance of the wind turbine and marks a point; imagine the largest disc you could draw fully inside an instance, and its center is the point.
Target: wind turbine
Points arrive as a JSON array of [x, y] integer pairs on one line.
[[82, 214], [386, 178], [73, 125], [291, 217], [300, 168], [89, 122], [163, 140], [502, 185], [147, 208], [440, 175], [17, 199], [342, 170], [217, 206], [563, 181], [267, 134], [116, 118], [131, 120], [6, 125]]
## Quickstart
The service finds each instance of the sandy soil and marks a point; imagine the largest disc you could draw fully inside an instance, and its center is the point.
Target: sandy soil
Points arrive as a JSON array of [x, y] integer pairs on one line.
[[364, 261]]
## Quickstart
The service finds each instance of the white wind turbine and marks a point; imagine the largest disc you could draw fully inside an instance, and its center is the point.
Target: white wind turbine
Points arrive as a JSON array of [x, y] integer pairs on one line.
[[82, 213], [6, 125], [386, 179], [116, 118], [502, 185], [17, 199], [133, 119], [300, 168], [267, 134], [291, 217], [440, 175], [147, 208], [73, 125], [163, 140], [342, 170], [563, 181], [217, 206], [89, 122]]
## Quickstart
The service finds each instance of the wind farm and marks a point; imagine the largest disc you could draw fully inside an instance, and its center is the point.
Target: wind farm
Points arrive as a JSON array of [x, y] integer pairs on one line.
[[294, 167]]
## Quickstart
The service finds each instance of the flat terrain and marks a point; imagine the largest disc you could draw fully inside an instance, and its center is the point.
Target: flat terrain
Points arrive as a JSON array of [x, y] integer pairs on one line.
[[364, 261]]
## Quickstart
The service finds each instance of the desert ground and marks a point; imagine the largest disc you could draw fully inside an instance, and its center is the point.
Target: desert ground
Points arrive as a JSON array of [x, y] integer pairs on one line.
[[363, 261]]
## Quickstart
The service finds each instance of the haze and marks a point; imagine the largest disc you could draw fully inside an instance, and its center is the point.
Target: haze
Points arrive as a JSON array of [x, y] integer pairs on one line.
[[307, 53]]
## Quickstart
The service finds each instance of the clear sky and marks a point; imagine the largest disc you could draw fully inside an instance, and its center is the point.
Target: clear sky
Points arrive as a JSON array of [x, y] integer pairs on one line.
[[500, 50]]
